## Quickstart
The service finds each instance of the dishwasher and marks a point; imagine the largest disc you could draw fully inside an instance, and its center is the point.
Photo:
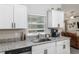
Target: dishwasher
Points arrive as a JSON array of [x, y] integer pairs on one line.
[[24, 50]]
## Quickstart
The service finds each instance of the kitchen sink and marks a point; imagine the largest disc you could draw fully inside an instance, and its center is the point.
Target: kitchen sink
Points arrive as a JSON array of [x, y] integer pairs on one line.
[[41, 40]]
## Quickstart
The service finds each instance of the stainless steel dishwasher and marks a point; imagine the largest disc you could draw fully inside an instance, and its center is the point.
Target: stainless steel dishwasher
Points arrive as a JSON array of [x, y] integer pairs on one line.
[[24, 50]]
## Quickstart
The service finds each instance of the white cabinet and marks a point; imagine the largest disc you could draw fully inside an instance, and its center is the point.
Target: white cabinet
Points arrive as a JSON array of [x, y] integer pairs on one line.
[[48, 48], [58, 47], [52, 19], [52, 48], [13, 16], [63, 47], [20, 16], [61, 18], [6, 16], [55, 18], [2, 52]]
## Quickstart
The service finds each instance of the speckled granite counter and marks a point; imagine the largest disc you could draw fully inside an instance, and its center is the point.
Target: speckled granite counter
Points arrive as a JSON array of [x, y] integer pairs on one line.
[[20, 44]]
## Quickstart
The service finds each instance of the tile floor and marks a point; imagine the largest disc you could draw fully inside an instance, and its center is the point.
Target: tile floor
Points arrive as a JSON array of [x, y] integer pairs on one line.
[[74, 51]]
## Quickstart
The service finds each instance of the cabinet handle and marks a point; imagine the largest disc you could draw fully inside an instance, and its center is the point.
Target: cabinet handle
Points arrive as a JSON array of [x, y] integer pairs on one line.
[[64, 46], [45, 51], [12, 25]]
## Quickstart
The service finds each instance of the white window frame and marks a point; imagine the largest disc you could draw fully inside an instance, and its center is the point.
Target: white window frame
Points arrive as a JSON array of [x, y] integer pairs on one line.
[[33, 34]]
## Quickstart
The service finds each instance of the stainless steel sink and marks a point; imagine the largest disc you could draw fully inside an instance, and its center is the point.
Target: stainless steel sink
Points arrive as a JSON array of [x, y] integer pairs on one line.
[[41, 40]]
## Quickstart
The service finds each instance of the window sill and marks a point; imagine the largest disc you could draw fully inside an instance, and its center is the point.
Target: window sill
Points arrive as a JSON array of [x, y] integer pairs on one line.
[[34, 34]]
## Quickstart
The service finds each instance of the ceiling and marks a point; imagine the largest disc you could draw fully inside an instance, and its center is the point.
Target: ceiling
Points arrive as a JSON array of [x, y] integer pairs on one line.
[[71, 9]]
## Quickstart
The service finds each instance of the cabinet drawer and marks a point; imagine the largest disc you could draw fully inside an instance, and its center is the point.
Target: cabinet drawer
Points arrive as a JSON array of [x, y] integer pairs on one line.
[[63, 42], [60, 42], [43, 46]]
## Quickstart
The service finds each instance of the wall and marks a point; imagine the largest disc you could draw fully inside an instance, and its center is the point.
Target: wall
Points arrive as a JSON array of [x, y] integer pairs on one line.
[[72, 26], [7, 34], [68, 8], [40, 9]]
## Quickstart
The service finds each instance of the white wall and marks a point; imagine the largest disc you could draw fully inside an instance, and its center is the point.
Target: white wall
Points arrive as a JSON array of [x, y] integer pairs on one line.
[[69, 10], [40, 8]]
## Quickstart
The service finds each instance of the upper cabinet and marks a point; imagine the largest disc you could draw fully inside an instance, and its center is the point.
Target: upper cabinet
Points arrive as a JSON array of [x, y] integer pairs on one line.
[[61, 19], [6, 16], [13, 17], [20, 16], [55, 19]]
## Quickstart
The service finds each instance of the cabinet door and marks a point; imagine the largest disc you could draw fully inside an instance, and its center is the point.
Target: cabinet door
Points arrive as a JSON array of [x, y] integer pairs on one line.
[[60, 47], [67, 47], [6, 16], [48, 48], [52, 19], [2, 52], [49, 16], [20, 16], [61, 18], [63, 47], [55, 19], [39, 49], [52, 48]]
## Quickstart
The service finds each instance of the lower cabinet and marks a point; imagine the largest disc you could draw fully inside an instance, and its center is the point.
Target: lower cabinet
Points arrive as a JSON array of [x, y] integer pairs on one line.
[[63, 47], [2, 52], [60, 47], [48, 48]]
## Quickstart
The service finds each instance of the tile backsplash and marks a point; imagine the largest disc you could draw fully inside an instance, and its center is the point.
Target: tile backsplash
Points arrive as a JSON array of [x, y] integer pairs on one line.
[[7, 34]]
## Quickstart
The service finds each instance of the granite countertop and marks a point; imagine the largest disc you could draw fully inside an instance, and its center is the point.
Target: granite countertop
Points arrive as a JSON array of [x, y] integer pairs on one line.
[[26, 43]]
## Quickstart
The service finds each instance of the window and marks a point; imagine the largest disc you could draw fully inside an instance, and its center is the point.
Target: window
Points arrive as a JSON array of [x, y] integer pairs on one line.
[[36, 24]]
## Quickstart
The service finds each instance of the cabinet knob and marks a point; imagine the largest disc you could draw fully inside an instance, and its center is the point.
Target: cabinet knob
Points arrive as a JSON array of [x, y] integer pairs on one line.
[[64, 46], [12, 25], [45, 51]]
